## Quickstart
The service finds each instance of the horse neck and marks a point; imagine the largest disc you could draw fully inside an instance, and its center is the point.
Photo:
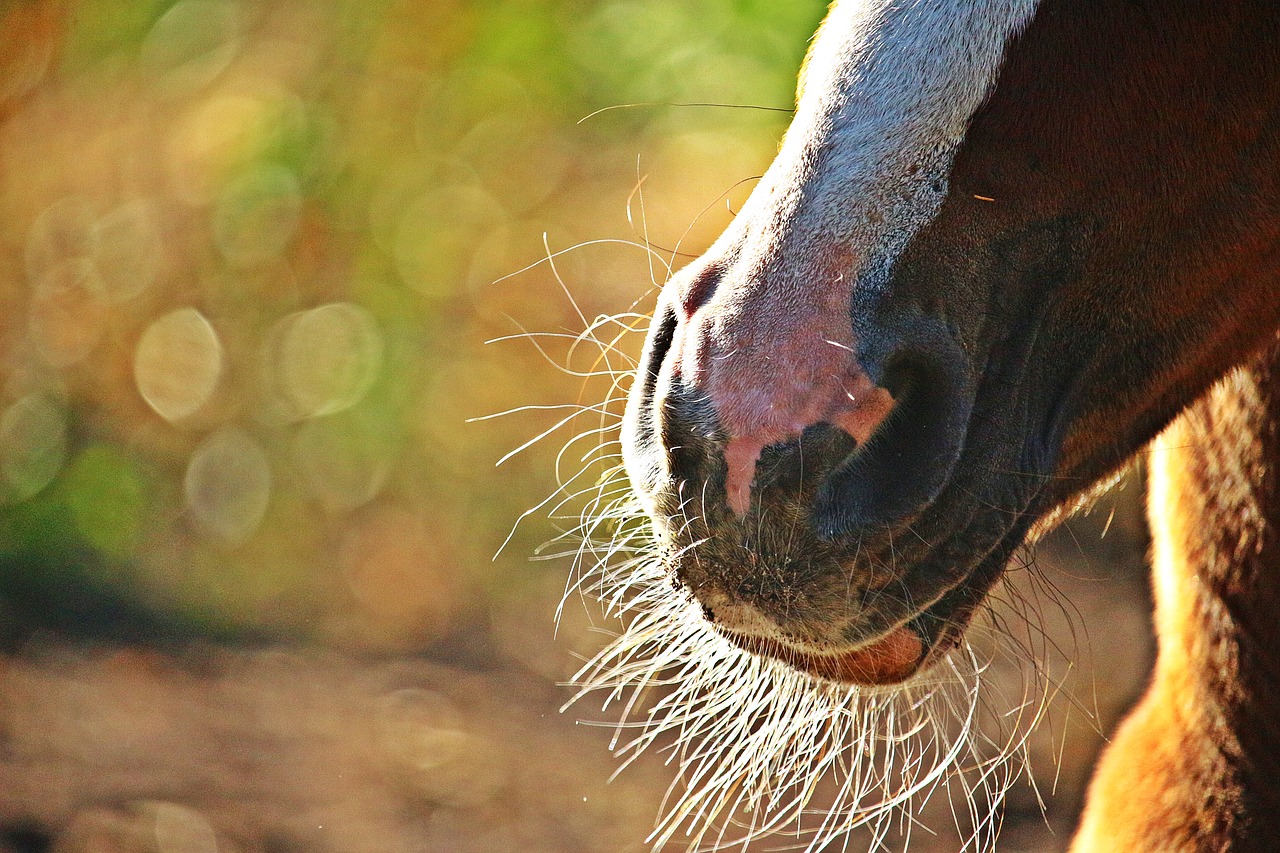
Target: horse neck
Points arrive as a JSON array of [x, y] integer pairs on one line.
[[1215, 512]]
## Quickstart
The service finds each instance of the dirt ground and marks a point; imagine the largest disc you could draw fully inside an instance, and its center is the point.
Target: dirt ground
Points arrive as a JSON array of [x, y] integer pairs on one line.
[[126, 750], [214, 749]]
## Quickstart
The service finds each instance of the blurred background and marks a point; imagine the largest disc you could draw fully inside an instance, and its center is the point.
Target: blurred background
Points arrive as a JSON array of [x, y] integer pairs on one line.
[[267, 268]]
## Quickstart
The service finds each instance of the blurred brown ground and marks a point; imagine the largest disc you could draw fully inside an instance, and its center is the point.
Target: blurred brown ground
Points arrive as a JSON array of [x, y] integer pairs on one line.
[[294, 749], [251, 253]]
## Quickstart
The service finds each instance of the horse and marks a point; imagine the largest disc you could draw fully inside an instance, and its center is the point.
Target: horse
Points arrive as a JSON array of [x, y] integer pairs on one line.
[[1003, 247]]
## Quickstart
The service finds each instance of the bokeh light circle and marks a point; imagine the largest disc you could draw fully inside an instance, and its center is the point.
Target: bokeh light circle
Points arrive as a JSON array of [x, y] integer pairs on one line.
[[192, 43], [323, 360], [257, 215], [345, 458], [33, 445], [228, 485], [178, 363], [62, 232], [126, 251], [66, 319]]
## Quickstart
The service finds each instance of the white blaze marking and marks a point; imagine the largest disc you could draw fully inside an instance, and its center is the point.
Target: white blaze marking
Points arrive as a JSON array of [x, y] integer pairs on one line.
[[889, 93], [889, 85]]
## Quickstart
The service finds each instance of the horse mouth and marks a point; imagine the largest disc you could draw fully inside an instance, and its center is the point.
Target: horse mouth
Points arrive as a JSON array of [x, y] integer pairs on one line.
[[825, 612], [890, 659]]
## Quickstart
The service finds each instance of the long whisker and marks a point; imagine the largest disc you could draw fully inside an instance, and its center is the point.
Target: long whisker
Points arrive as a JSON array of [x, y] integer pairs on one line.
[[758, 748]]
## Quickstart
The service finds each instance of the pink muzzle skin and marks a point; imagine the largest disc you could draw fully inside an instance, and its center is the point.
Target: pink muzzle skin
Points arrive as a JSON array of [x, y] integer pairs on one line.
[[773, 361]]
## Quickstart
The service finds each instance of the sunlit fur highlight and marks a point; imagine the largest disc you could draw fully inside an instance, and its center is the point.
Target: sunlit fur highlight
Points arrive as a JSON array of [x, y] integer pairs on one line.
[[759, 748]]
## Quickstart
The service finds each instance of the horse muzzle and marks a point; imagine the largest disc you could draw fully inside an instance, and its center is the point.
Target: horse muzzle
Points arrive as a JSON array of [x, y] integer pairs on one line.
[[783, 439]]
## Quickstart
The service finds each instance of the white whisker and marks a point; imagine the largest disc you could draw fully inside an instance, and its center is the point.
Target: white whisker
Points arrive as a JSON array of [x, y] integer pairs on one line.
[[757, 748]]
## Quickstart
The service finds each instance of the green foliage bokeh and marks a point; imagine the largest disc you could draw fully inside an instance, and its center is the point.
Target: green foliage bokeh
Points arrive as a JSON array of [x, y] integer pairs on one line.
[[324, 202]]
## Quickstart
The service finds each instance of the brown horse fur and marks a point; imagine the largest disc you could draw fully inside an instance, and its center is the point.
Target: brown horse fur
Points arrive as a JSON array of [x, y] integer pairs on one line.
[[1099, 248], [1195, 767]]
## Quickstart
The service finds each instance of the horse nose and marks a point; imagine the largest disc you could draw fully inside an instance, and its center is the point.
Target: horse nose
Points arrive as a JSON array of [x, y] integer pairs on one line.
[[855, 461]]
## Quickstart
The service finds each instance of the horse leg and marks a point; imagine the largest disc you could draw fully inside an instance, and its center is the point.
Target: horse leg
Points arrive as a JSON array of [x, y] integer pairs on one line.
[[1194, 766]]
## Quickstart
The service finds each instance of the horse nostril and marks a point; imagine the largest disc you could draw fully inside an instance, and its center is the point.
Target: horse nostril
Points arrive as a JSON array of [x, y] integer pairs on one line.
[[909, 459], [640, 430], [695, 288], [798, 467], [688, 430]]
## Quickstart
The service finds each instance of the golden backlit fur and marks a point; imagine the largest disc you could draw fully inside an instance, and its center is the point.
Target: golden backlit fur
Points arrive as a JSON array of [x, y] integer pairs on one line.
[[1193, 768]]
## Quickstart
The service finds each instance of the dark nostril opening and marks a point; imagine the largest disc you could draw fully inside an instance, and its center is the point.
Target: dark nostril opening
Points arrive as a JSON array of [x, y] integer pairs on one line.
[[689, 432], [909, 458], [799, 465], [640, 429], [670, 433], [695, 290], [905, 373], [658, 345]]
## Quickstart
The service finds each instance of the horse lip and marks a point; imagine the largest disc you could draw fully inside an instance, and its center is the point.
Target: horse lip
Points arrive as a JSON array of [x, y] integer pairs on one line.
[[889, 659]]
